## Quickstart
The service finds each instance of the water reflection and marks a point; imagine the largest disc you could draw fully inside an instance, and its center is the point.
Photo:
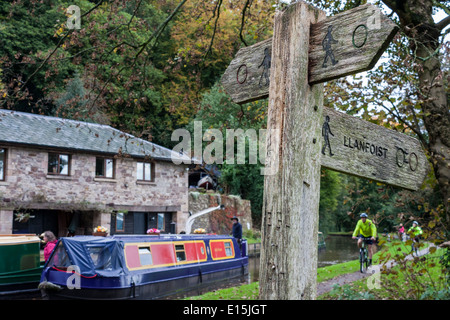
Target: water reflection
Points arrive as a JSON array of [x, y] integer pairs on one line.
[[338, 250]]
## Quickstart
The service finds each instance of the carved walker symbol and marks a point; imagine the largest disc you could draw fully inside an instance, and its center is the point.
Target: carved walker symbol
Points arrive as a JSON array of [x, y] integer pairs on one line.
[[326, 45], [243, 78], [266, 67], [325, 131], [402, 158]]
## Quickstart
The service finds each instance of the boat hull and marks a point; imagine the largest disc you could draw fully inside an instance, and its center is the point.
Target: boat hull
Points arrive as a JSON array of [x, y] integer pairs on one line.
[[20, 268], [158, 289], [152, 268]]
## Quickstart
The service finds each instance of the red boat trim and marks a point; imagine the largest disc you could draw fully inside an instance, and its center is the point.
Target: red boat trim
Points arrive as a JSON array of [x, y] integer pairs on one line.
[[73, 271], [222, 249], [164, 254]]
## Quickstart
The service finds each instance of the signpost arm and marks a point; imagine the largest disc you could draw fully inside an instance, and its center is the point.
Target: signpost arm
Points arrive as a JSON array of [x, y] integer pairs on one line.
[[292, 188]]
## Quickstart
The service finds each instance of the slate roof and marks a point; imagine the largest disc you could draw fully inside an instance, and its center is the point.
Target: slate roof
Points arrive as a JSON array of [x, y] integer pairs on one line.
[[44, 131]]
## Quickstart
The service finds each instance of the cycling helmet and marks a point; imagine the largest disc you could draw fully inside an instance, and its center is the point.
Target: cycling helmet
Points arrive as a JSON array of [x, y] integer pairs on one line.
[[363, 215], [415, 222]]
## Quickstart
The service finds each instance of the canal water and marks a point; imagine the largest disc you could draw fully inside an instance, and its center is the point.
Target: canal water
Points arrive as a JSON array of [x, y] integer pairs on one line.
[[339, 249]]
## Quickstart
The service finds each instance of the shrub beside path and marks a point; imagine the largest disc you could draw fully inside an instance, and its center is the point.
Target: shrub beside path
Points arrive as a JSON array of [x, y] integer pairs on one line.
[[326, 286]]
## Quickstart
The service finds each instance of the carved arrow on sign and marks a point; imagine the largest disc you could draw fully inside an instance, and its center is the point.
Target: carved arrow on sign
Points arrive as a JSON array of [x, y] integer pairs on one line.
[[367, 150], [341, 45]]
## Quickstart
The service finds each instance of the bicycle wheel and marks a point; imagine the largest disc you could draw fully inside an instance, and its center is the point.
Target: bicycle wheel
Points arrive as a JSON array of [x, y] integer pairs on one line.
[[362, 260], [414, 249]]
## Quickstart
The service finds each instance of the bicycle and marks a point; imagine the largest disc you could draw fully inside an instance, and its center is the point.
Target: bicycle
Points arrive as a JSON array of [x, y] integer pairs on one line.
[[414, 247], [363, 256]]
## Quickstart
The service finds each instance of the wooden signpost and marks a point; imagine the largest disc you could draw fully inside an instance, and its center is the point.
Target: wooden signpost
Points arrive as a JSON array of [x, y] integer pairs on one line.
[[341, 45], [307, 49], [367, 150]]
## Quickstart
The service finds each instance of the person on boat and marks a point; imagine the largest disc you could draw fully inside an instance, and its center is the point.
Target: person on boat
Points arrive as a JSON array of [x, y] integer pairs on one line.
[[367, 231], [237, 229], [50, 240]]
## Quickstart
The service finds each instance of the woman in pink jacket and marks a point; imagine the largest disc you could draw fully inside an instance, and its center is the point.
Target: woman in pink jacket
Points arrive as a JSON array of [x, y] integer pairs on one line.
[[50, 239], [401, 231]]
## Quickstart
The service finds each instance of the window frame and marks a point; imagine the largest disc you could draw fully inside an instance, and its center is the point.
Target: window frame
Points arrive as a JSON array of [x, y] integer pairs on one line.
[[181, 251], [5, 162], [228, 249], [105, 159], [145, 255], [163, 227], [123, 222], [152, 171], [59, 154]]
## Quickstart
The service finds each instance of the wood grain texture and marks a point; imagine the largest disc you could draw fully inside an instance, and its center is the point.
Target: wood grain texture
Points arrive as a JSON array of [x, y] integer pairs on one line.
[[358, 39], [354, 39], [288, 263], [246, 78], [371, 151]]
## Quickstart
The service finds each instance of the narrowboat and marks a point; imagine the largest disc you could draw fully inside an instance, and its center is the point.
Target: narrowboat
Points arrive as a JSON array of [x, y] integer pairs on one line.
[[139, 266], [20, 267]]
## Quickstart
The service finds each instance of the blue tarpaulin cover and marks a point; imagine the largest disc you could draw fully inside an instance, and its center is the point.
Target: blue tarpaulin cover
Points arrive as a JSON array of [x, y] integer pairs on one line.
[[96, 255]]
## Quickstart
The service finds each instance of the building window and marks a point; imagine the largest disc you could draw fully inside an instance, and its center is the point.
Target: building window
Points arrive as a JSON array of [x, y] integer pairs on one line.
[[104, 168], [58, 164], [2, 164], [145, 171], [120, 226], [160, 222]]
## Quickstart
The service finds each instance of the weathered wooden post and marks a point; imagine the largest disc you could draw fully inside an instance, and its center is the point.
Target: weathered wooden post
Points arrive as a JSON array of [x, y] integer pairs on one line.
[[291, 194], [306, 50]]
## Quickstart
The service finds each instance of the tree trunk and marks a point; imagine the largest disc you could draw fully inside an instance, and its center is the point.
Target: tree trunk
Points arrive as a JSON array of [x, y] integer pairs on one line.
[[417, 22]]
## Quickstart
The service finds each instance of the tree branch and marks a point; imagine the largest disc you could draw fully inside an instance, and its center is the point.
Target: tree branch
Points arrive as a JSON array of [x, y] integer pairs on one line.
[[155, 35], [60, 42], [443, 23], [215, 28], [247, 5]]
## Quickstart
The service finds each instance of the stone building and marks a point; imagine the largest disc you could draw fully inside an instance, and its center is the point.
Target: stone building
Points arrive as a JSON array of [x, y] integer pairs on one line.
[[70, 176]]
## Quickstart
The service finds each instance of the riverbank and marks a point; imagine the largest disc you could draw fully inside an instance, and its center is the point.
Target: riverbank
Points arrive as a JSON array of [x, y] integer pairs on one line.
[[344, 281]]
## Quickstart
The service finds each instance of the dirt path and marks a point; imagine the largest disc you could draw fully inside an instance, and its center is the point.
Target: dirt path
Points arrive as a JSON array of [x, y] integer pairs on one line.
[[326, 286]]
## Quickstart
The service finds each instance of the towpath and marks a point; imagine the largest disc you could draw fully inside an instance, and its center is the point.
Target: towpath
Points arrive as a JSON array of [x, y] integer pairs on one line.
[[326, 286]]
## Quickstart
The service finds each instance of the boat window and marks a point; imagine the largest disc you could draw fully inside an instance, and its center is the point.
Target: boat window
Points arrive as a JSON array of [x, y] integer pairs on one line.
[[101, 258], [228, 250], [179, 250], [145, 256], [60, 258]]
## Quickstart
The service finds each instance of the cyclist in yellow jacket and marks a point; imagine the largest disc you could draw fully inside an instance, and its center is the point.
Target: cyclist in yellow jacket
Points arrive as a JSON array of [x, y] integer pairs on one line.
[[366, 231]]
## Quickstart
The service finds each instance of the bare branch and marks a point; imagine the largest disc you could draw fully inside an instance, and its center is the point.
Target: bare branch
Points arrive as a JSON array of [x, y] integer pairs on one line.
[[142, 46], [443, 23], [60, 42], [215, 28], [247, 5]]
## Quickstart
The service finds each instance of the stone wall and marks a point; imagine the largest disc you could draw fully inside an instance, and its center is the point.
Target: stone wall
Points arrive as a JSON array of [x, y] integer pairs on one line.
[[219, 221], [27, 185]]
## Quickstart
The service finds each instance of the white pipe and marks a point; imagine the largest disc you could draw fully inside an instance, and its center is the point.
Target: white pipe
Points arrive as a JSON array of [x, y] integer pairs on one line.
[[190, 220]]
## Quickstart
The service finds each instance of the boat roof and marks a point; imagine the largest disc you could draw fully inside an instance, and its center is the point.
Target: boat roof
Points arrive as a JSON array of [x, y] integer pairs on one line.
[[146, 238], [18, 239]]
